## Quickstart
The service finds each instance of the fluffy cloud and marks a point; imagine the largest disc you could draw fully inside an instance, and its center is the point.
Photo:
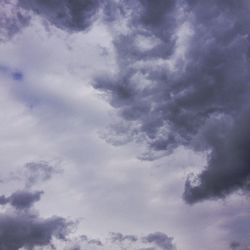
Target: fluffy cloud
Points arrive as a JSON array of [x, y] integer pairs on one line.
[[76, 15], [182, 78], [24, 228], [22, 199], [188, 87], [169, 89], [120, 237], [12, 19], [72, 15], [161, 240], [29, 231]]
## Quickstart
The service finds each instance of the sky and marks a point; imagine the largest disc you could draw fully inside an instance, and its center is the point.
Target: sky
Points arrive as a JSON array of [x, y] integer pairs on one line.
[[124, 125]]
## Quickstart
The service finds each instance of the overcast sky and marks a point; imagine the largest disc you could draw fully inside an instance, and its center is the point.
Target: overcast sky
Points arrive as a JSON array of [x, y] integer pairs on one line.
[[124, 124]]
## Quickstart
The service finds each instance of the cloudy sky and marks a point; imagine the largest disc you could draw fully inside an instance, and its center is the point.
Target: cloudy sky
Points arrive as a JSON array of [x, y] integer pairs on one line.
[[124, 124]]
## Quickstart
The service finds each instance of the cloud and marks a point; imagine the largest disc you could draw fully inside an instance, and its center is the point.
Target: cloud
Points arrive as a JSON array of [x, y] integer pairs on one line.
[[120, 237], [33, 173], [21, 199], [29, 231], [3, 200], [161, 240], [183, 80], [12, 19], [117, 240], [234, 245], [70, 15], [23, 228], [37, 172], [84, 242], [156, 240], [24, 199]]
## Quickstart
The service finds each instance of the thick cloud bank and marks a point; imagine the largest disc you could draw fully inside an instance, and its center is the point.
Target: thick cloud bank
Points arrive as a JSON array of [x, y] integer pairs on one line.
[[183, 80]]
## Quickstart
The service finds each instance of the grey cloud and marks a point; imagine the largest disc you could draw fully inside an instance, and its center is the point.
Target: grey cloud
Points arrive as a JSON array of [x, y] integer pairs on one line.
[[21, 199], [75, 248], [120, 237], [83, 242], [37, 172], [16, 75], [117, 240], [198, 99], [95, 242], [33, 173], [12, 19], [161, 240], [234, 245], [3, 200], [24, 199], [157, 239], [22, 228], [29, 231], [224, 130], [70, 15]]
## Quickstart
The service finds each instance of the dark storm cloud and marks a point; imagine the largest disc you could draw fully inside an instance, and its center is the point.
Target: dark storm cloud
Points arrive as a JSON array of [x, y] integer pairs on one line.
[[221, 52], [70, 15], [22, 228], [201, 99]]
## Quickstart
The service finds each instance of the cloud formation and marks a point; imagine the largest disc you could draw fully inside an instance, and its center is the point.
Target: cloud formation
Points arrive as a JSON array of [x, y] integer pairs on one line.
[[12, 19], [29, 231], [234, 245], [70, 15], [153, 241], [23, 228], [161, 240], [183, 80], [120, 237], [21, 199], [37, 172]]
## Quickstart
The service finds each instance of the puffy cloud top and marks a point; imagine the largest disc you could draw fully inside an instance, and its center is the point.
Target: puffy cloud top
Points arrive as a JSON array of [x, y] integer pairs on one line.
[[189, 88], [22, 228], [72, 15]]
